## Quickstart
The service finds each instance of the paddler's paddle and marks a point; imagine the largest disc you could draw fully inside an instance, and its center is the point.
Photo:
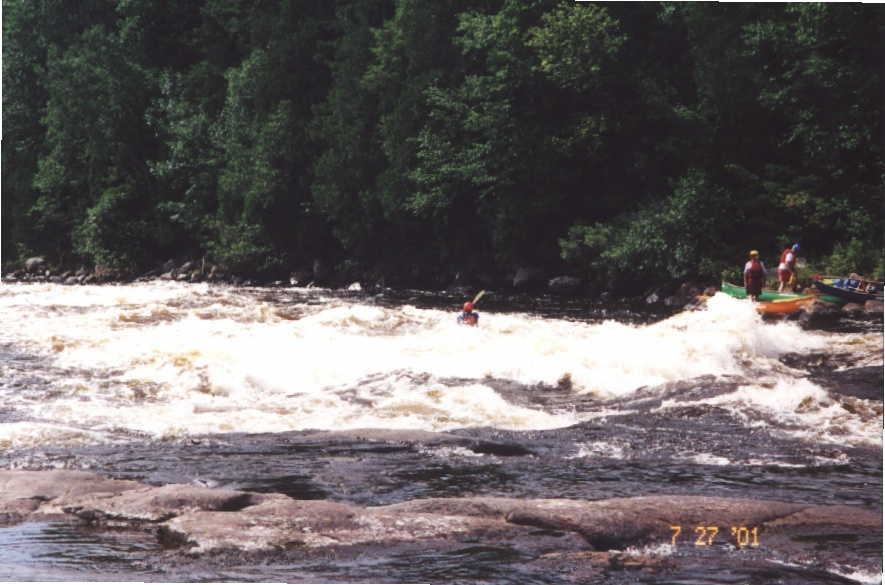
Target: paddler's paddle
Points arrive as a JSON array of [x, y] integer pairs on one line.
[[478, 296]]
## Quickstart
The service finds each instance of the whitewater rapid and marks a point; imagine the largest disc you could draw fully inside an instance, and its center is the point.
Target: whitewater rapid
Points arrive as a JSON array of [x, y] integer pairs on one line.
[[174, 360]]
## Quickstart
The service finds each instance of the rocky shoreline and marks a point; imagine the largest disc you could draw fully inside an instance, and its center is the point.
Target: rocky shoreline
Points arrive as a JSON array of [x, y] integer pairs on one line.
[[578, 536], [689, 295]]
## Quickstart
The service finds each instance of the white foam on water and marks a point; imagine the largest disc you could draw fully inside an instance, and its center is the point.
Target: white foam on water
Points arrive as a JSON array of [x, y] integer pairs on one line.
[[174, 359], [453, 453], [861, 576], [23, 435], [602, 450], [711, 459], [664, 549], [802, 409]]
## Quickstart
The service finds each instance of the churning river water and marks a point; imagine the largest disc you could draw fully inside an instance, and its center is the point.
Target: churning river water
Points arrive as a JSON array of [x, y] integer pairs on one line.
[[253, 389]]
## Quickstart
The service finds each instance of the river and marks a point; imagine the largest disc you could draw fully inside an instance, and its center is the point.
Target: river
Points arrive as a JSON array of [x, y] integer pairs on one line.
[[379, 400]]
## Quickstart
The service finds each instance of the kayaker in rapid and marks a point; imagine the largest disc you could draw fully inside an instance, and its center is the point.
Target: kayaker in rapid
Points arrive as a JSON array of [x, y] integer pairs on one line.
[[468, 316], [754, 276], [786, 270]]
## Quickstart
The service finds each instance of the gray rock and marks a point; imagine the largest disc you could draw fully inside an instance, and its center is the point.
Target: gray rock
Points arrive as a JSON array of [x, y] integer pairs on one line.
[[168, 266], [35, 264], [186, 267], [204, 519], [167, 276], [355, 286], [564, 284], [818, 314], [73, 280], [873, 307], [83, 271], [300, 277], [528, 277], [652, 298], [156, 504], [853, 308], [52, 489], [687, 292]]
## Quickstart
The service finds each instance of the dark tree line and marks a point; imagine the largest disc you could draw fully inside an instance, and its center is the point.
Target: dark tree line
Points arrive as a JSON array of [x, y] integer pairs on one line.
[[626, 143]]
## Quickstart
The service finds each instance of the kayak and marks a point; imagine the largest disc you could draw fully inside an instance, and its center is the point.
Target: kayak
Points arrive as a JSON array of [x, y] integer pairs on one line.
[[784, 305], [740, 292], [848, 289]]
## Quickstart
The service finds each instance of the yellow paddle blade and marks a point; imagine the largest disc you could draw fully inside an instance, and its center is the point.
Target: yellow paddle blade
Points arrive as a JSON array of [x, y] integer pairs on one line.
[[478, 296]]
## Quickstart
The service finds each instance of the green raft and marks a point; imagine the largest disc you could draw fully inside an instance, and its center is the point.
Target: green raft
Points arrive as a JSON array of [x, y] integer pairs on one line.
[[740, 292]]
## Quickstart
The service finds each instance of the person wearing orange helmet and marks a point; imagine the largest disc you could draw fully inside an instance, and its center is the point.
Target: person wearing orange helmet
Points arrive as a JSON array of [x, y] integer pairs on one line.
[[754, 276], [468, 316]]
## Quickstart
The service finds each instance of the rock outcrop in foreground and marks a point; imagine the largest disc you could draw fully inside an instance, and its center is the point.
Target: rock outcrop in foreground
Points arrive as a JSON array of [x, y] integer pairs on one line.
[[196, 520]]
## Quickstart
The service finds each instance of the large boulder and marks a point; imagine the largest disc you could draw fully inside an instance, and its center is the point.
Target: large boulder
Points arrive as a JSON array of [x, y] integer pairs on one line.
[[35, 265], [873, 307], [528, 277], [818, 314], [106, 273], [853, 309], [564, 284], [686, 293], [301, 277], [197, 519]]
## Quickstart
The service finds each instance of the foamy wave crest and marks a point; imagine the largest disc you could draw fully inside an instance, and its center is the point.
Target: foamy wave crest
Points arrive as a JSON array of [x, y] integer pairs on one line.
[[174, 359]]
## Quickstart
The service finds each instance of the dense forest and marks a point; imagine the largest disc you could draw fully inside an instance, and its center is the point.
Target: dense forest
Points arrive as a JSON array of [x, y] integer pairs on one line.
[[624, 143]]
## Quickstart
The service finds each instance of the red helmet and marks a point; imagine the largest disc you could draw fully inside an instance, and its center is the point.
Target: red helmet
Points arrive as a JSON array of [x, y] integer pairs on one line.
[[468, 306]]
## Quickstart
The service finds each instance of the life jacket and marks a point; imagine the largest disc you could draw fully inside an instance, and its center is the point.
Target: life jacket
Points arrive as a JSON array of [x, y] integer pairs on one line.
[[784, 258], [756, 270], [466, 318]]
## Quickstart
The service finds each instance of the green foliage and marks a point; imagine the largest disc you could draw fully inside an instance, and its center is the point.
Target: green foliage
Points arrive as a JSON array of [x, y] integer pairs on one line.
[[113, 234], [671, 240], [856, 256], [636, 142], [576, 45]]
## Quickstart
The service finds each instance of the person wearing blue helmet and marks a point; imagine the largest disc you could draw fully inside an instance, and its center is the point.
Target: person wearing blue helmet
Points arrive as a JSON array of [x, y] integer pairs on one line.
[[786, 270]]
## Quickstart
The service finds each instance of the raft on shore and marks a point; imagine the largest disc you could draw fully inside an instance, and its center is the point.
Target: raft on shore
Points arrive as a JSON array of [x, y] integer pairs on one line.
[[771, 302]]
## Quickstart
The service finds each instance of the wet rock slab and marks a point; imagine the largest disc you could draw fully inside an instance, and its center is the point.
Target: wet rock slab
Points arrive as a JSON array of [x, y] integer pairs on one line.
[[195, 521]]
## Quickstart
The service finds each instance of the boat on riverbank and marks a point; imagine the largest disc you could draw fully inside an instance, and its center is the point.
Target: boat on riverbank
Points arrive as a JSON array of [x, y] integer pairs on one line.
[[784, 306], [740, 292], [848, 289]]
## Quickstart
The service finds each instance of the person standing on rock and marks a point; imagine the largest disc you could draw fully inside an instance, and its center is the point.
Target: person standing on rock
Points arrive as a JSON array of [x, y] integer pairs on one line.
[[754, 276], [786, 270]]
